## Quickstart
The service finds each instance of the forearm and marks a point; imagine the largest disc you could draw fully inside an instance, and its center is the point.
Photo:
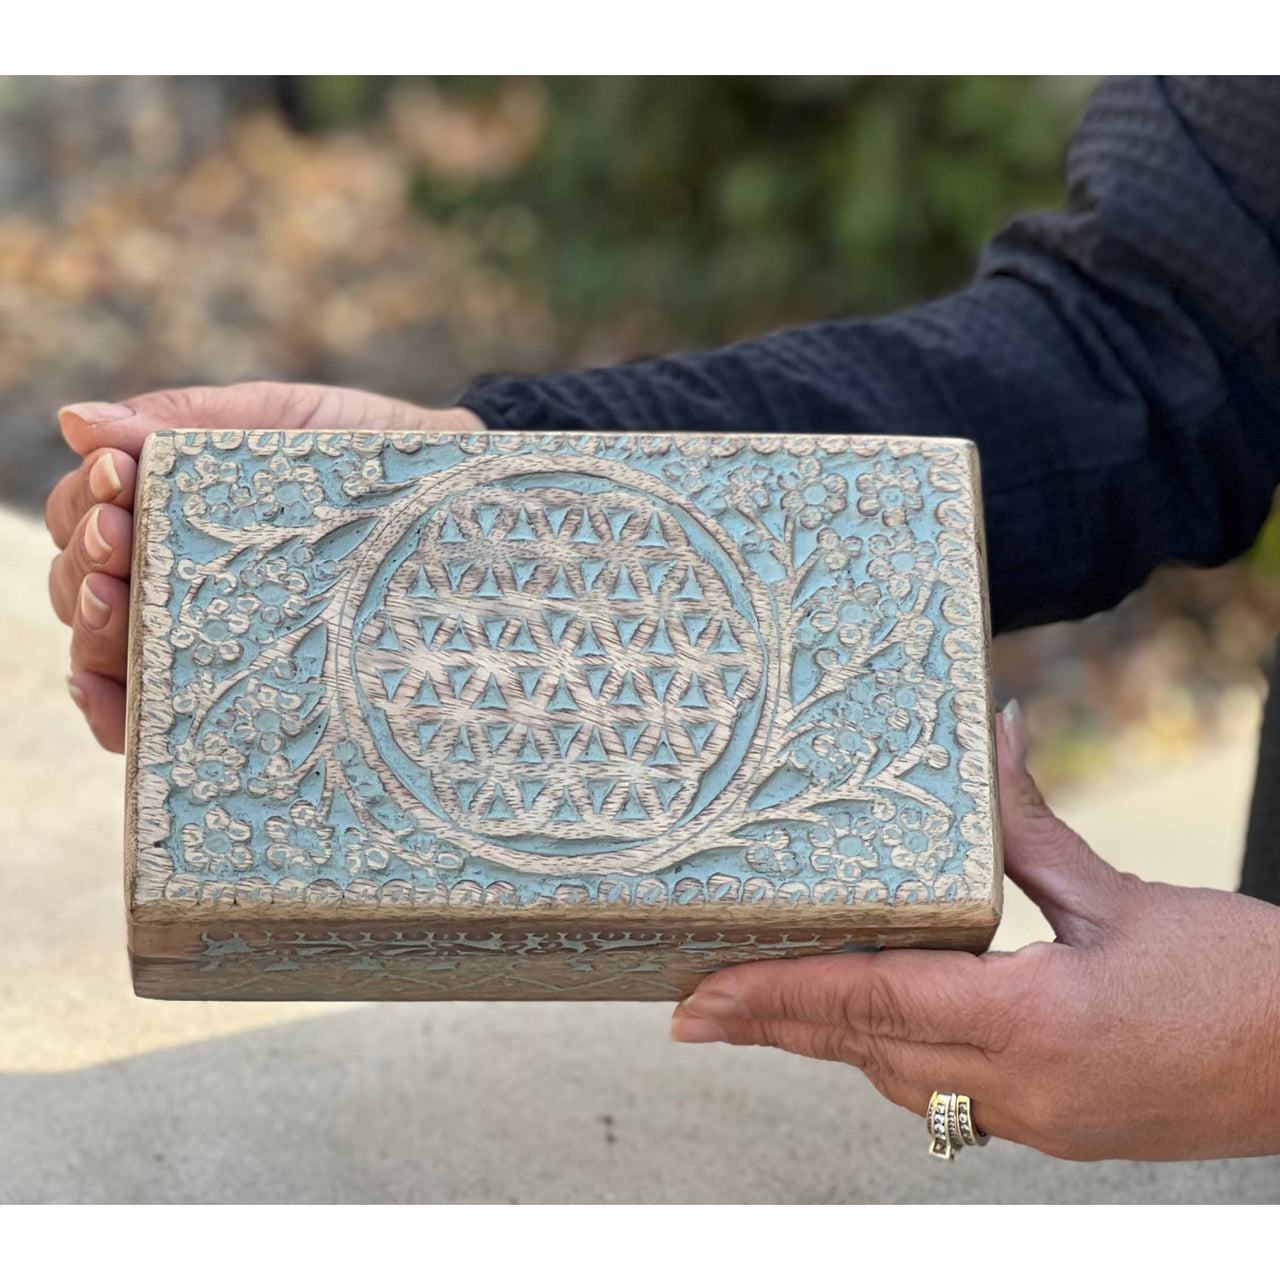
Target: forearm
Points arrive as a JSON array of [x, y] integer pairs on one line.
[[1111, 364]]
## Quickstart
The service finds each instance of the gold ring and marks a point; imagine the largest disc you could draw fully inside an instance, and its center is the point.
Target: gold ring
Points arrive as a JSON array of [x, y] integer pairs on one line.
[[970, 1134], [949, 1120], [938, 1121]]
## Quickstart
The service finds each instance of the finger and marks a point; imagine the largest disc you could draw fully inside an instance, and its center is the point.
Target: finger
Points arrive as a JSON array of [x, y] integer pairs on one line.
[[1074, 888], [931, 997], [101, 543], [879, 1057], [106, 475], [906, 1072], [102, 702], [100, 627], [266, 406]]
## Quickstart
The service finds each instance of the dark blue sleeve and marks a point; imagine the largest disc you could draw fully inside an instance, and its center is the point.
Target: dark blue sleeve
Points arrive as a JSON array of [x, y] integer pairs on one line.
[[1118, 363]]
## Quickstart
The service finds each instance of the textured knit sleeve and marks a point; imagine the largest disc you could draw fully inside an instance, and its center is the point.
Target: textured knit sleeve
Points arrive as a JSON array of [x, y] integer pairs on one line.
[[1118, 363]]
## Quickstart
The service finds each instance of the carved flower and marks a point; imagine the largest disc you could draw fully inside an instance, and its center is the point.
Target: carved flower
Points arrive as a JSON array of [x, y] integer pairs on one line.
[[771, 854], [215, 492], [283, 569], [195, 695], [853, 618], [210, 632], [811, 496], [209, 768], [746, 489], [841, 850], [832, 754], [359, 475], [217, 845], [286, 492], [208, 473], [422, 849], [362, 854], [275, 782], [274, 595], [889, 493], [300, 840], [910, 685], [262, 718], [837, 552], [901, 562], [687, 475], [917, 841]]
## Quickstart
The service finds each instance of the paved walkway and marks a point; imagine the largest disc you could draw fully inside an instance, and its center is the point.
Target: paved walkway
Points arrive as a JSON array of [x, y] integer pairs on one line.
[[110, 1098]]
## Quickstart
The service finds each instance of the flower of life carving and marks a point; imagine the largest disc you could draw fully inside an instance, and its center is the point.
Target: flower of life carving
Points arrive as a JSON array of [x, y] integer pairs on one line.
[[564, 669]]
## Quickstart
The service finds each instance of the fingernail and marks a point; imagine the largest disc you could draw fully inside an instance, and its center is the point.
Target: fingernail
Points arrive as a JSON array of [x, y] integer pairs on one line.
[[93, 411], [95, 612], [716, 1005], [688, 1029], [104, 480], [1015, 732], [96, 547], [77, 694]]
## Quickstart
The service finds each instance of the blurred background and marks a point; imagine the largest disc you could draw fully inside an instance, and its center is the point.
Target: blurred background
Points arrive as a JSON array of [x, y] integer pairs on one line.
[[409, 234]]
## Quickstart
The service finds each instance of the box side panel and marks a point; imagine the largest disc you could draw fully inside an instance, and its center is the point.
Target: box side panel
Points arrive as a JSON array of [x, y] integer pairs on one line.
[[979, 563], [406, 961], [148, 707]]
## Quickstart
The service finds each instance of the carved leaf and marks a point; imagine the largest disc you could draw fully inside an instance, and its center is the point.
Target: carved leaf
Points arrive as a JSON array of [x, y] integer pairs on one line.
[[344, 540], [780, 786], [805, 675], [814, 580], [311, 787], [309, 653], [298, 749]]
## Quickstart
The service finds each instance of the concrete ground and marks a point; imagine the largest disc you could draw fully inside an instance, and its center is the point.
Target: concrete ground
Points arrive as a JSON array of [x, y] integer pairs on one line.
[[105, 1097]]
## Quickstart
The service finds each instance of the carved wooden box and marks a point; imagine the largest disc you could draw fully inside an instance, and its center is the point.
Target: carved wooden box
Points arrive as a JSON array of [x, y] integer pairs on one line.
[[551, 716]]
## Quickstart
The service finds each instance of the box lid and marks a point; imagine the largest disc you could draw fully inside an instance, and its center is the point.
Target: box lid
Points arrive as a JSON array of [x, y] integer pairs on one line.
[[610, 676]]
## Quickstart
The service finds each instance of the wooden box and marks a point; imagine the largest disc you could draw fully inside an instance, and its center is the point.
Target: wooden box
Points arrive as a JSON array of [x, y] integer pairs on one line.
[[551, 716]]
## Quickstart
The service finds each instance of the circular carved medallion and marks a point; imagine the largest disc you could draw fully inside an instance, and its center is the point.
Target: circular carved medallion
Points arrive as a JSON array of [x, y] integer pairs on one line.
[[558, 666]]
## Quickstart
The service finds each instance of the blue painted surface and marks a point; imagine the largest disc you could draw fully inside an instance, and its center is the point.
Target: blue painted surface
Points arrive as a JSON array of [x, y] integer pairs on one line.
[[775, 619]]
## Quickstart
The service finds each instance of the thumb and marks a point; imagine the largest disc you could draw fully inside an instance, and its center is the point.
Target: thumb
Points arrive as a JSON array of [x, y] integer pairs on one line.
[[1074, 888], [263, 406]]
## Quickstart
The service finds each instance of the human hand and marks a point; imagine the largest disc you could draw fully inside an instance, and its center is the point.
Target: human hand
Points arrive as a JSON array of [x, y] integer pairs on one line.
[[89, 511], [1149, 1030]]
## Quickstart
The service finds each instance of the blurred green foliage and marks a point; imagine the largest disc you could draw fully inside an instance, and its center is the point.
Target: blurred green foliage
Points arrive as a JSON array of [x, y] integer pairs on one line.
[[1264, 555], [694, 209]]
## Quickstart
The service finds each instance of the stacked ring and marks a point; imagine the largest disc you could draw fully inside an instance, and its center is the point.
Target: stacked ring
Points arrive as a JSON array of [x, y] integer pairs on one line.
[[949, 1119], [938, 1120], [969, 1132]]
